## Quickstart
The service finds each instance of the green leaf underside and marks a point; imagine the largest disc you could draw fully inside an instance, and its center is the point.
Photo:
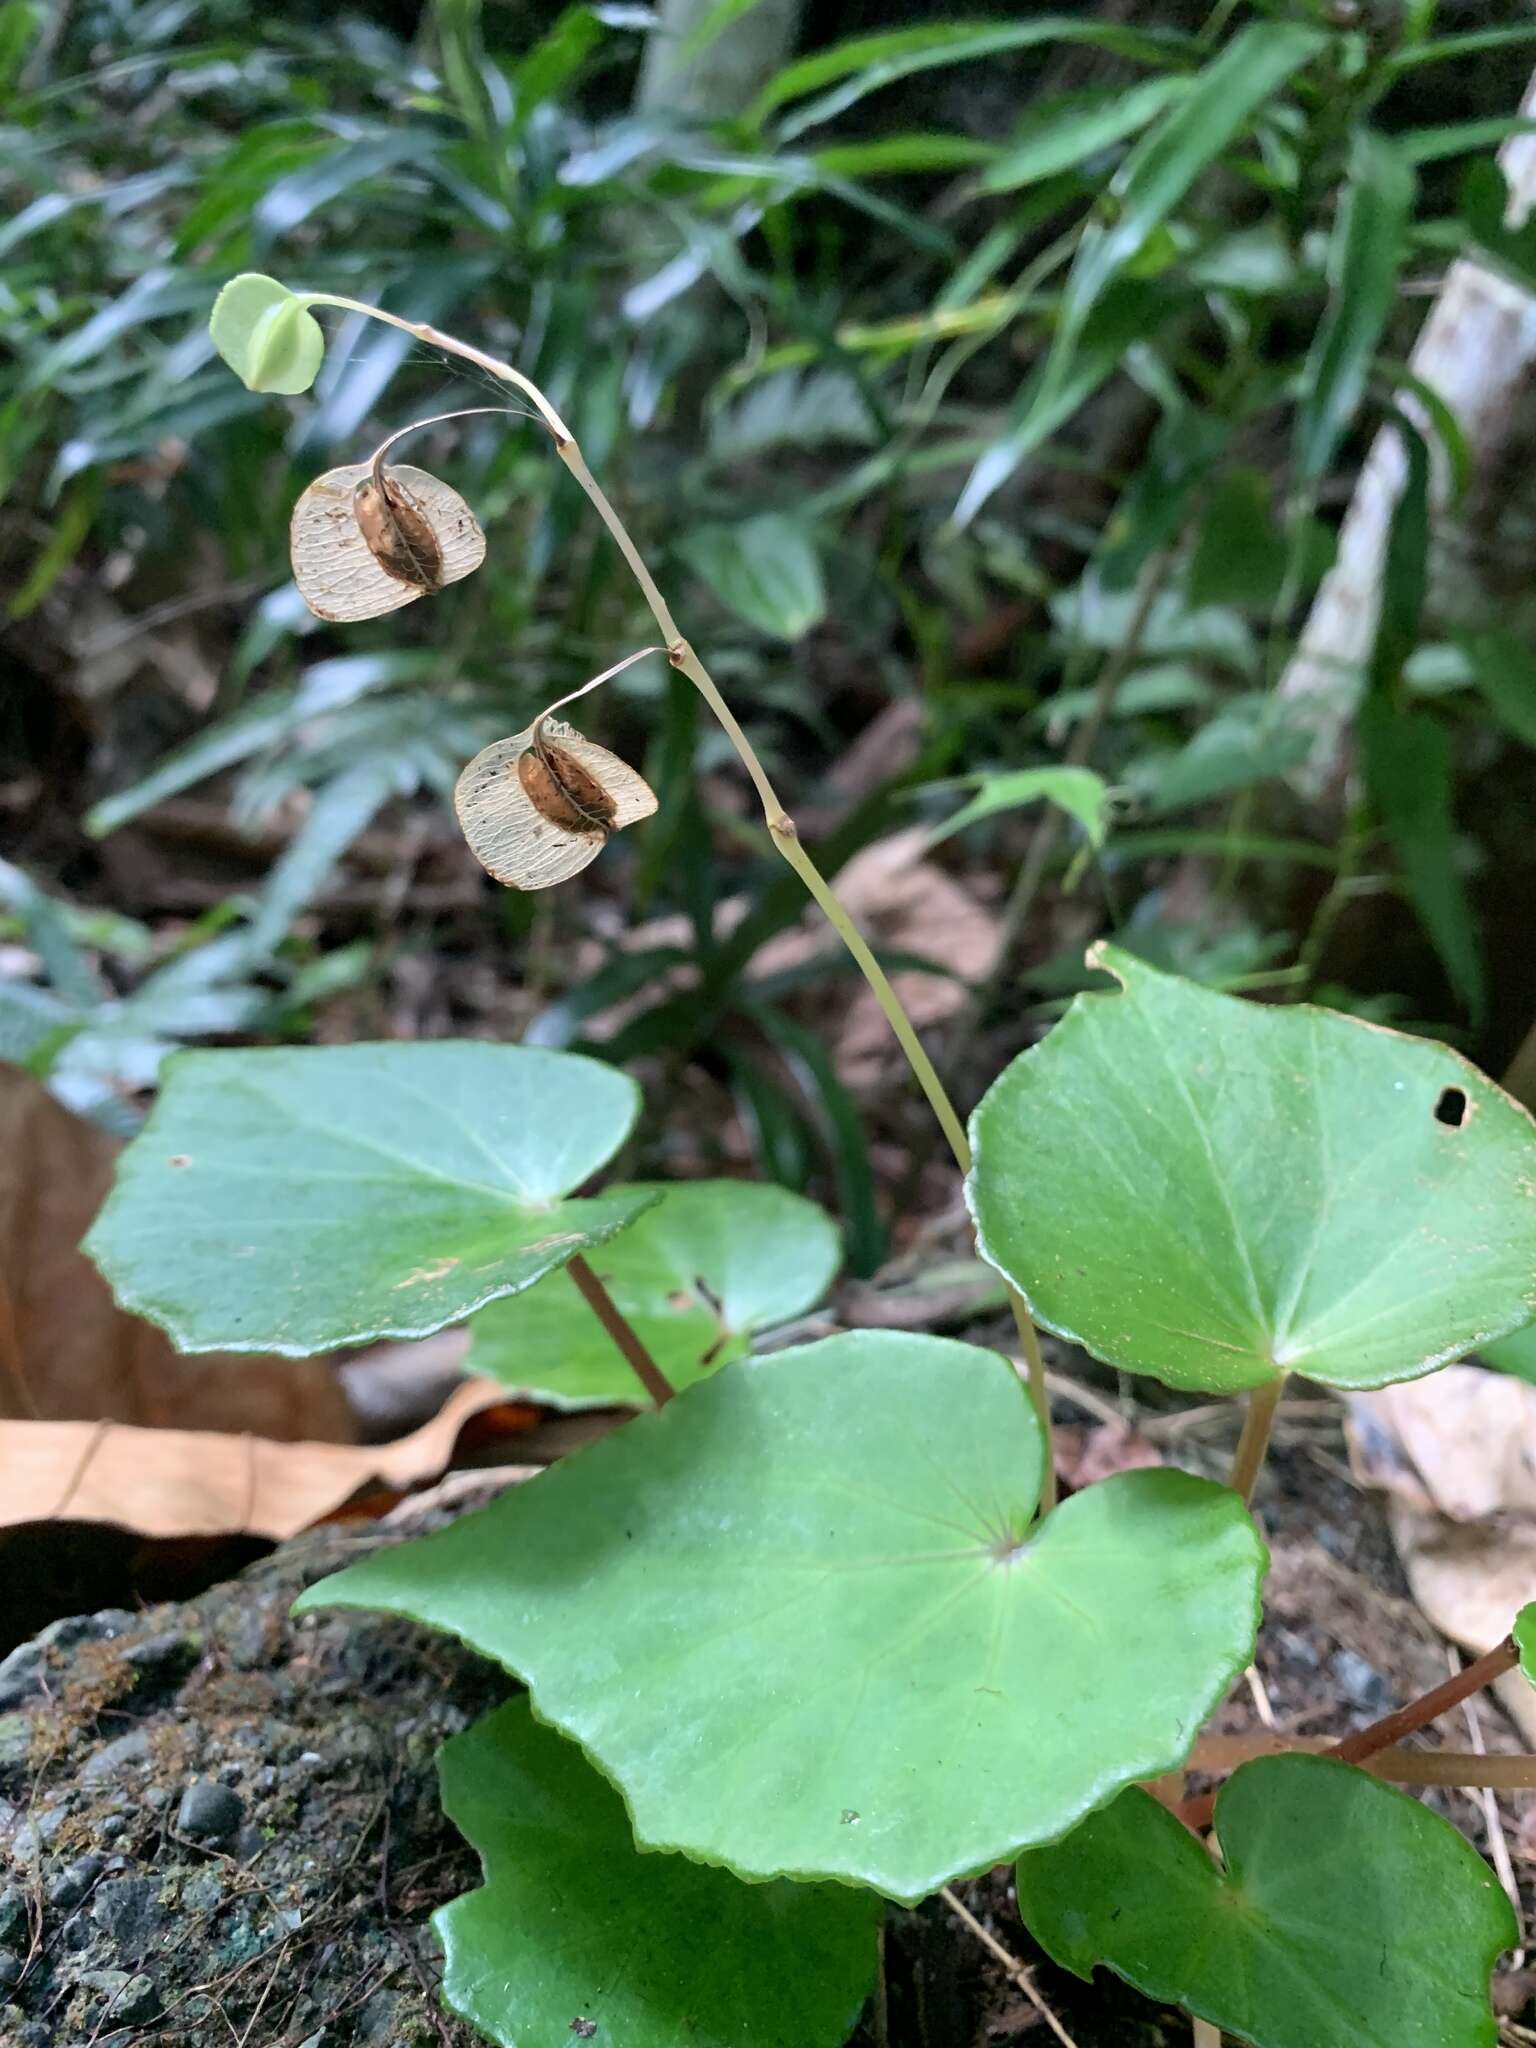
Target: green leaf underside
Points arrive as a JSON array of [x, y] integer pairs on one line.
[[1349, 1916], [1515, 1354], [794, 1617], [1210, 1190], [574, 1923], [1077, 791], [713, 1262], [1524, 1633], [296, 1200]]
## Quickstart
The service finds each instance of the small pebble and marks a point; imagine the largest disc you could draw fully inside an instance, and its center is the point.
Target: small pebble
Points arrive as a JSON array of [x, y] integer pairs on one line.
[[212, 1811], [1360, 1682], [72, 1884], [10, 1970]]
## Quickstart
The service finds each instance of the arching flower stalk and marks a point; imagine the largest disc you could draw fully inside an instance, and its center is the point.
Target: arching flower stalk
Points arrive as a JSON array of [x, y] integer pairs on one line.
[[270, 337]]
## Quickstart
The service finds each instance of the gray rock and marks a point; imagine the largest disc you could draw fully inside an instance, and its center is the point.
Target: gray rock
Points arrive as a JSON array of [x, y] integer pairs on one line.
[[132, 1748], [138, 2002], [161, 1653], [1361, 1683], [15, 1740], [33, 1836], [21, 1670], [11, 1968], [13, 1916], [211, 1811], [128, 1911], [72, 1884]]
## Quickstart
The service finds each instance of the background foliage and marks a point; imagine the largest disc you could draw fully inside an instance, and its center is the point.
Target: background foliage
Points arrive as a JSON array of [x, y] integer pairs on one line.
[[990, 388]]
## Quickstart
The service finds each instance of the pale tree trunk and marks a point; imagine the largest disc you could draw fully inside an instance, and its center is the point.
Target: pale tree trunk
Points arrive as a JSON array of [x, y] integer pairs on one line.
[[1477, 350], [729, 72]]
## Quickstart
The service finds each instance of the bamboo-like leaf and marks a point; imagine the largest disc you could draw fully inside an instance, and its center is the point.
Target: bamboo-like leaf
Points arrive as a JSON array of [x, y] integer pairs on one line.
[[1364, 260]]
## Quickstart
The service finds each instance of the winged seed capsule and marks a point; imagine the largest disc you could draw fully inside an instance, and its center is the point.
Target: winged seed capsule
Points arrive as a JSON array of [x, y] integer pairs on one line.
[[366, 539], [347, 569], [537, 808]]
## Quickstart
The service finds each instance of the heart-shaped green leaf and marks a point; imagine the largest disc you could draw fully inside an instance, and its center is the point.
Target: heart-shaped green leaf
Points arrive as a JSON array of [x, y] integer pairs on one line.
[[1216, 1191], [296, 1200], [267, 334], [714, 1261], [575, 1932], [801, 1619], [1348, 1916]]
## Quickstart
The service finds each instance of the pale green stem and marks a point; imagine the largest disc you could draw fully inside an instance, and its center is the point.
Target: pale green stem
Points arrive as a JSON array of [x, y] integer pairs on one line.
[[1258, 1421], [781, 826]]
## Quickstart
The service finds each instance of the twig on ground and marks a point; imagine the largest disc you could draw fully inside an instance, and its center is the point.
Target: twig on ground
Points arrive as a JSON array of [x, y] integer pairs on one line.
[[1017, 1973]]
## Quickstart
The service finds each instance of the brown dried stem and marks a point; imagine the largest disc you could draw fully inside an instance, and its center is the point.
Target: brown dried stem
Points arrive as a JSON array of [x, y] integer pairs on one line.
[[619, 1328]]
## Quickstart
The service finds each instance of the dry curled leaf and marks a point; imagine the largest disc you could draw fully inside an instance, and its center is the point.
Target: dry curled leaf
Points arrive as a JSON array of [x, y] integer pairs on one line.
[[357, 556], [183, 1482], [538, 807]]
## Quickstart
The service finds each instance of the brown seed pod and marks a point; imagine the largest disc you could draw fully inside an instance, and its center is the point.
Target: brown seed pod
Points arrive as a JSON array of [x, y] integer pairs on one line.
[[398, 533], [336, 563], [539, 807], [564, 792]]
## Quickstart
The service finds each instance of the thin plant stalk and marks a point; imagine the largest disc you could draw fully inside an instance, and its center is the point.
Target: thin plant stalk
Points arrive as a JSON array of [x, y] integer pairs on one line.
[[780, 825], [1387, 1733], [1391, 1728], [1466, 1768], [622, 1331], [607, 676], [1258, 1421]]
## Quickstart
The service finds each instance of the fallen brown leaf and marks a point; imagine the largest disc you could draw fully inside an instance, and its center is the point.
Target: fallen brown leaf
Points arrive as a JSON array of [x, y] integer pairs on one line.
[[1457, 1454], [182, 1482], [1086, 1452], [904, 904], [68, 1352]]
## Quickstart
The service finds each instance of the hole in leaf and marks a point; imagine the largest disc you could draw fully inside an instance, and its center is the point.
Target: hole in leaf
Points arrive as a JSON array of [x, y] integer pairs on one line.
[[1452, 1107]]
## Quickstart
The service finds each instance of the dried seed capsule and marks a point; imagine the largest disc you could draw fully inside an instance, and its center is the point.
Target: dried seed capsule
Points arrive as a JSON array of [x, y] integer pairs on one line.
[[563, 791], [536, 812], [398, 533], [342, 577]]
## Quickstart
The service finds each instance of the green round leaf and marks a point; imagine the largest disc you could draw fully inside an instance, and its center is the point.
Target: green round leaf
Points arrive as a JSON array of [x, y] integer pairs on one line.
[[267, 335], [1215, 1191], [696, 1276], [1348, 1915], [573, 1924], [296, 1200], [766, 570], [800, 1616], [1524, 1633]]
